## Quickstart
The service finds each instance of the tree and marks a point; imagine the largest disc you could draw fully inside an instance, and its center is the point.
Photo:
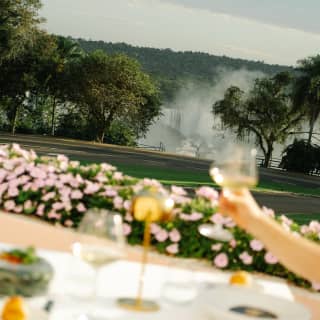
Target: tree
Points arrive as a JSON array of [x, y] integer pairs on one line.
[[307, 90], [54, 73], [18, 22], [266, 112], [20, 76], [114, 88]]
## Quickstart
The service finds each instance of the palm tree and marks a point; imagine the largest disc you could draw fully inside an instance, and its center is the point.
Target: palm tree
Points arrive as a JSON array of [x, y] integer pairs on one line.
[[67, 51], [307, 90]]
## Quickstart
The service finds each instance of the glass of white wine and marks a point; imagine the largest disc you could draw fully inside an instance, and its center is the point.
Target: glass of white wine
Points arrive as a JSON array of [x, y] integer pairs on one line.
[[235, 168], [105, 224]]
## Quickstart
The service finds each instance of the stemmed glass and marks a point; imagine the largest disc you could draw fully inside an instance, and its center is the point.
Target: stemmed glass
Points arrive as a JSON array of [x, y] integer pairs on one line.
[[234, 169], [105, 224]]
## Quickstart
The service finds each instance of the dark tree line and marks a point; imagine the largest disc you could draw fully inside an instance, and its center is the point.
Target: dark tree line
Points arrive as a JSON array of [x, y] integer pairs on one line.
[[48, 84]]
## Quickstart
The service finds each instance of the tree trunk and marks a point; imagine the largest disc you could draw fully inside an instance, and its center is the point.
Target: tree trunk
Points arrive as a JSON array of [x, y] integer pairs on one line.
[[14, 118], [100, 135], [268, 156], [311, 127], [53, 116]]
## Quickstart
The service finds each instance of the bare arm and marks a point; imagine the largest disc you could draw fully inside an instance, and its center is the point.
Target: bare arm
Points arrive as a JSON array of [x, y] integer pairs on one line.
[[296, 253]]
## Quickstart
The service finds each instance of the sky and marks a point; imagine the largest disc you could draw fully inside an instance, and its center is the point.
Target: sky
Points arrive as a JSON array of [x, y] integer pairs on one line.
[[274, 31]]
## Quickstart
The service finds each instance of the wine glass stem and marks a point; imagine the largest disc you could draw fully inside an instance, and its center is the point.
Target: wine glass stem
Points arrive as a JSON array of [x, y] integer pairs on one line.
[[146, 246], [95, 284]]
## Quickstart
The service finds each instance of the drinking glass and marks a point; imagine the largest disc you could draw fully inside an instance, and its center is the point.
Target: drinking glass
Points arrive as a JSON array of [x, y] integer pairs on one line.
[[105, 224], [234, 169]]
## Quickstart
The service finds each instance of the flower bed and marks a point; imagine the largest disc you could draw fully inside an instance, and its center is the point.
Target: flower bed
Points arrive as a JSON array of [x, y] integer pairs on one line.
[[60, 191]]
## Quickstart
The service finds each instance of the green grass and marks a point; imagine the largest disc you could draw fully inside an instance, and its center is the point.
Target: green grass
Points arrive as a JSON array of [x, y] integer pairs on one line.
[[192, 179], [304, 218]]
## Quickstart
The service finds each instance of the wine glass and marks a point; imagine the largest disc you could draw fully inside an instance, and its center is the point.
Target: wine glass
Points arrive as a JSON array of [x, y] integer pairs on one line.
[[234, 169], [105, 224], [148, 206]]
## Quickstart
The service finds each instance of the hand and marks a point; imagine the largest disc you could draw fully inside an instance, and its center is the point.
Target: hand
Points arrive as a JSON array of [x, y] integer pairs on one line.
[[240, 206]]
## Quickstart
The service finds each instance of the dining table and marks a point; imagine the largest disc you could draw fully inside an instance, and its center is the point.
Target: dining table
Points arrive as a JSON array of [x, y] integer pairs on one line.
[[176, 284]]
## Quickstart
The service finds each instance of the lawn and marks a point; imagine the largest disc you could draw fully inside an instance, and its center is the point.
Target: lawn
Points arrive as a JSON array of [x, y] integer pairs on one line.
[[193, 179], [304, 218]]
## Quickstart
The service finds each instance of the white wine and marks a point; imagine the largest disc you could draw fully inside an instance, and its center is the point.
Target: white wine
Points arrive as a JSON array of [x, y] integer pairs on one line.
[[98, 257], [235, 181]]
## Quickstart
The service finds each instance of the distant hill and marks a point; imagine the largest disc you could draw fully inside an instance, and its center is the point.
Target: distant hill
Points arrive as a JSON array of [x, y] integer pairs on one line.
[[171, 69]]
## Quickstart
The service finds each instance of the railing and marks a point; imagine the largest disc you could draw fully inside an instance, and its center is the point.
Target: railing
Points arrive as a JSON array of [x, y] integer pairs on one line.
[[275, 163], [160, 148]]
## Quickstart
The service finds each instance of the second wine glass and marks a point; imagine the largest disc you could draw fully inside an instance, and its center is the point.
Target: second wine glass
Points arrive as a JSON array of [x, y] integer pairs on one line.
[[234, 169]]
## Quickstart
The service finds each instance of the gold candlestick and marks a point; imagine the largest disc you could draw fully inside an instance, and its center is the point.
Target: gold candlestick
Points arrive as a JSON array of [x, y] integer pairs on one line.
[[148, 206]]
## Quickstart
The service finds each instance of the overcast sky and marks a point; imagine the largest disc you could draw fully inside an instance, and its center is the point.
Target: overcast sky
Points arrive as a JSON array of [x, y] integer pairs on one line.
[[275, 31]]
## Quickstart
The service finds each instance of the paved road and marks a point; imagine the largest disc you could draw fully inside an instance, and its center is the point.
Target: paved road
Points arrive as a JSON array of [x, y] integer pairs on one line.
[[94, 152]]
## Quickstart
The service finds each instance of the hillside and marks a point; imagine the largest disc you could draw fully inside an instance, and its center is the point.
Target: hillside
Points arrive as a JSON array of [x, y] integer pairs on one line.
[[171, 69]]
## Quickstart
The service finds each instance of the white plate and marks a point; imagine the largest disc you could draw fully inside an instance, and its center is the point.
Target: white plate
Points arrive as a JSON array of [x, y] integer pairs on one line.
[[33, 313], [218, 302]]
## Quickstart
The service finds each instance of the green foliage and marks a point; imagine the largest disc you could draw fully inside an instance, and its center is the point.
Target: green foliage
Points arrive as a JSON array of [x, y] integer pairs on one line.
[[173, 69], [301, 157], [113, 88], [18, 22], [266, 112], [307, 90]]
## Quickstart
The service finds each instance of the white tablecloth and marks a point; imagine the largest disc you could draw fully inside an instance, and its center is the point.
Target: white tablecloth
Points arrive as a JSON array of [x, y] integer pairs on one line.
[[73, 283]]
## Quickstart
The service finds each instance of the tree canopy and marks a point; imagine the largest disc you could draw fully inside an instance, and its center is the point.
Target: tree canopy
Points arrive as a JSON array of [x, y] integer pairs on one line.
[[266, 112]]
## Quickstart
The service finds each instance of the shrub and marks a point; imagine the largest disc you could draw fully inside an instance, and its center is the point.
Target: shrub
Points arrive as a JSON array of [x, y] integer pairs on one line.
[[60, 191], [301, 157]]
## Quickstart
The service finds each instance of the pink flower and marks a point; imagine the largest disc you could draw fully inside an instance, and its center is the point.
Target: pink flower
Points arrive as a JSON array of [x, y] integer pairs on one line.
[[268, 212], [216, 247], [27, 205], [127, 205], [91, 188], [40, 210], [194, 216], [228, 222], [126, 229], [161, 235], [246, 258], [256, 245], [154, 228], [304, 229], [110, 193], [314, 226], [76, 194], [217, 218], [80, 207], [233, 243], [316, 286], [107, 167], [208, 193], [174, 235], [48, 196], [18, 209], [9, 205], [286, 220], [221, 260], [180, 199], [58, 206], [68, 223], [270, 258], [13, 192], [118, 202], [54, 215], [178, 191], [173, 248], [118, 175], [128, 217]]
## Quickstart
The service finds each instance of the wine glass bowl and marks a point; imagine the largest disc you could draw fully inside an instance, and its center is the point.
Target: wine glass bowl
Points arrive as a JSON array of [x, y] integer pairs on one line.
[[234, 169]]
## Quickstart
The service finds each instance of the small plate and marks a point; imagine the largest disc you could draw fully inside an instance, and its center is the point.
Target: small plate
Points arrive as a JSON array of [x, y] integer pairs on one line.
[[235, 303]]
